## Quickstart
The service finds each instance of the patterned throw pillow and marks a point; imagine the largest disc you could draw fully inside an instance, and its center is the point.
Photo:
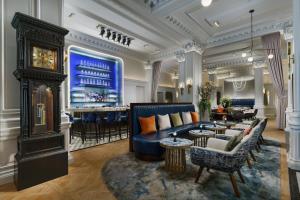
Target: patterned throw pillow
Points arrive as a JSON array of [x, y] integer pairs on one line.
[[176, 120], [235, 140], [186, 118], [147, 125], [164, 122], [195, 117]]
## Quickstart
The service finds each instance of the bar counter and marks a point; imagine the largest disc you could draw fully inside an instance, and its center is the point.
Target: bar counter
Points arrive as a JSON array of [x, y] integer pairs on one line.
[[97, 109]]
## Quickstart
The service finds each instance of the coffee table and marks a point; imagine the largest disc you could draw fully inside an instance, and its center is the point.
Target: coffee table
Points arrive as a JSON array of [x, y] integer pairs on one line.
[[218, 129], [175, 153], [200, 138], [227, 124]]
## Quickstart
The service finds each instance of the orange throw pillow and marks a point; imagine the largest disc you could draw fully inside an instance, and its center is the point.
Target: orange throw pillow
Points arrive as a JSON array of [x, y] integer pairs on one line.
[[247, 131], [147, 125], [220, 109], [195, 117]]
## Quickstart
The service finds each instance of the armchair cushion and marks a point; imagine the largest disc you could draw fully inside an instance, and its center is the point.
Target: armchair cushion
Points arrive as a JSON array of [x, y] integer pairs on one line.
[[231, 132], [195, 117], [215, 143]]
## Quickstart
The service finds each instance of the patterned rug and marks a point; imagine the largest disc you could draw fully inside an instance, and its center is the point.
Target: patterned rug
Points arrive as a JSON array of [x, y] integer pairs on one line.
[[131, 179]]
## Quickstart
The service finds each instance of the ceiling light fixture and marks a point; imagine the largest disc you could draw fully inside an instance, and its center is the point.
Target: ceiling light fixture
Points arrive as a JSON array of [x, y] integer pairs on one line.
[[244, 55], [114, 36], [206, 3], [251, 58], [217, 24]]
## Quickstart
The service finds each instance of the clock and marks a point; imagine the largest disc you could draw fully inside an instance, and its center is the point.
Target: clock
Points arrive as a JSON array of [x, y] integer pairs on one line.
[[44, 58]]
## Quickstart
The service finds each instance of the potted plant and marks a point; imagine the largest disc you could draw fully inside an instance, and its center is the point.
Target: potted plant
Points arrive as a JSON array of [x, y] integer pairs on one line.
[[226, 102], [204, 105]]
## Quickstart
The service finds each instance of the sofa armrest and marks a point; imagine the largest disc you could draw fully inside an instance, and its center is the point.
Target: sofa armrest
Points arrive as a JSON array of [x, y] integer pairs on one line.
[[216, 143]]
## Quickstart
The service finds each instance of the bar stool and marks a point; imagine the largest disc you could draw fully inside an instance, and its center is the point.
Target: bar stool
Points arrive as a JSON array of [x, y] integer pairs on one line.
[[109, 122], [76, 126], [90, 125], [124, 121]]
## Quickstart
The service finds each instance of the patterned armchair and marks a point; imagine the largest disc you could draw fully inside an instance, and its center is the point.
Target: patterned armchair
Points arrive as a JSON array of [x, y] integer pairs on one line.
[[213, 157]]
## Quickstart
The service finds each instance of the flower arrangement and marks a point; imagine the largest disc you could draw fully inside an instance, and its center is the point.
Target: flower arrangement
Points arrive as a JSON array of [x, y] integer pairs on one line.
[[204, 93], [226, 102]]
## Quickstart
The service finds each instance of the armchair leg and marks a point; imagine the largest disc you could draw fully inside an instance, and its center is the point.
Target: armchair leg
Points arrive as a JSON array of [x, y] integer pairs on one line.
[[241, 176], [249, 163], [234, 185], [257, 149], [252, 155], [199, 174]]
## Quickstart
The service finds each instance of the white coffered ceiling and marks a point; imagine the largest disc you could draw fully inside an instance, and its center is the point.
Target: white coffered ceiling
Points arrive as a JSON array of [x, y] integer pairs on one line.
[[173, 23]]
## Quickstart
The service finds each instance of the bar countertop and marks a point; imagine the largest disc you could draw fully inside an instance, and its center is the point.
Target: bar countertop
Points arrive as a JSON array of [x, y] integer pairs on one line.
[[98, 109]]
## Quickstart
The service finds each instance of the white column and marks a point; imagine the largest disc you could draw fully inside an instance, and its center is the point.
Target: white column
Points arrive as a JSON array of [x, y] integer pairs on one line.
[[289, 39], [213, 78], [294, 119], [193, 72], [148, 70], [181, 81], [259, 95]]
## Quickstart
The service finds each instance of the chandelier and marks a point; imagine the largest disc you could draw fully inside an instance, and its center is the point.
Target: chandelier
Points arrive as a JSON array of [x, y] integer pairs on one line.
[[251, 53]]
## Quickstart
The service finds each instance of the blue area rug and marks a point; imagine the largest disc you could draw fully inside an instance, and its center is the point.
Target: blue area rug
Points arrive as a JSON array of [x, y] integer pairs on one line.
[[131, 179]]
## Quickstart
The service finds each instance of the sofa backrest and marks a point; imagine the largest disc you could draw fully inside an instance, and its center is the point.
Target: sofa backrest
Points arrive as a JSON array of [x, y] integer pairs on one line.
[[243, 102], [147, 109]]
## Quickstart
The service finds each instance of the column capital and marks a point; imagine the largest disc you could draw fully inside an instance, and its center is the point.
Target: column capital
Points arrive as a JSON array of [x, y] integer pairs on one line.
[[288, 33], [193, 47], [180, 56]]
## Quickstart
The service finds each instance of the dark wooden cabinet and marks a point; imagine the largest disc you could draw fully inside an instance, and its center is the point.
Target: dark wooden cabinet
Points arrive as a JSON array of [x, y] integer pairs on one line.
[[41, 152]]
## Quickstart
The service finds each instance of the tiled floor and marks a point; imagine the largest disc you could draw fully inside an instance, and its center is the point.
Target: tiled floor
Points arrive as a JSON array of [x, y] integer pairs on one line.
[[84, 180]]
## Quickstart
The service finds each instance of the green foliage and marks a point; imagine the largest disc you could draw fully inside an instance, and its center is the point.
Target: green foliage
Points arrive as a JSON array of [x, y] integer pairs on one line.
[[204, 93], [226, 102]]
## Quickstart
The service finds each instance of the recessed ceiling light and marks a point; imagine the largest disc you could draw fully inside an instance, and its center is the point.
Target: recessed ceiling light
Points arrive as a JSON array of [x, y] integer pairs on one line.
[[206, 3], [244, 55]]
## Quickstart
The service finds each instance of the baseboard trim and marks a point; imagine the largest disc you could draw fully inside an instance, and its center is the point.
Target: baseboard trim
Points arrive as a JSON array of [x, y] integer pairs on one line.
[[7, 174]]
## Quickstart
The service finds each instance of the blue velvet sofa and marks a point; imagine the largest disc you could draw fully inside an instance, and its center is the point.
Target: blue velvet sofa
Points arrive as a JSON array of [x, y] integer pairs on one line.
[[242, 102], [147, 147]]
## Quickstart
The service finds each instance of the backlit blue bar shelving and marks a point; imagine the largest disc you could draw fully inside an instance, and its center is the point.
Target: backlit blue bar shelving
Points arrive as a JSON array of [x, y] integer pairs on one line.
[[95, 80]]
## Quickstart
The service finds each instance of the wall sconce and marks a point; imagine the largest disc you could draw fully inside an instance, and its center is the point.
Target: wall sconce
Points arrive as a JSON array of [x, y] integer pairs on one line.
[[181, 87], [189, 85]]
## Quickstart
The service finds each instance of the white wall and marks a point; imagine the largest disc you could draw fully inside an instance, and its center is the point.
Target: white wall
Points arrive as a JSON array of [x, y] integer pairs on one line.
[[246, 93]]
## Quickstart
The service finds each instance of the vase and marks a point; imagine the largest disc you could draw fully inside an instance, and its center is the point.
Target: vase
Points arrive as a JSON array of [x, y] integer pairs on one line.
[[204, 116]]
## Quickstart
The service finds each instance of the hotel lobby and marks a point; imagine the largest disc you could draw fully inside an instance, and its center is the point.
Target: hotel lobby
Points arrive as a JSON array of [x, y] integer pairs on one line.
[[150, 99]]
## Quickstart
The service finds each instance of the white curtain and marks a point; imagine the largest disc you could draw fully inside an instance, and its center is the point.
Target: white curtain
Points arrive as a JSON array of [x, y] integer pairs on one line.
[[156, 69], [272, 43]]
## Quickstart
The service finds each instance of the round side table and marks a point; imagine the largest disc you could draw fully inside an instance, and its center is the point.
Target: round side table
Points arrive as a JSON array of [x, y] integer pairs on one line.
[[218, 129], [175, 153], [227, 124], [200, 138]]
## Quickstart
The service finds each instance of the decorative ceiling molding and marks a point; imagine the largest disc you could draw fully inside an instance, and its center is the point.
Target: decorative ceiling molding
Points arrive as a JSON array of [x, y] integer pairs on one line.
[[177, 24], [288, 33], [75, 36], [231, 63], [167, 54], [259, 30]]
